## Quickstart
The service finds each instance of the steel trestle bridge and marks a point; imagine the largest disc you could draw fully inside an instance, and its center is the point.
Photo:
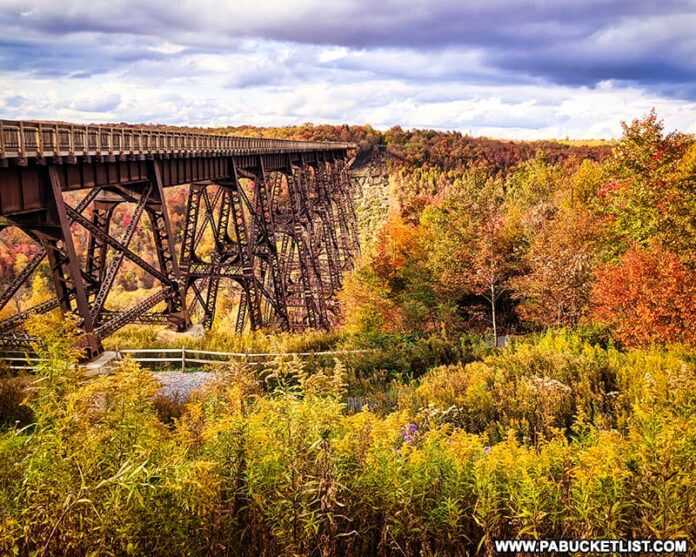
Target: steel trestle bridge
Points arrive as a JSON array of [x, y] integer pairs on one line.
[[274, 219]]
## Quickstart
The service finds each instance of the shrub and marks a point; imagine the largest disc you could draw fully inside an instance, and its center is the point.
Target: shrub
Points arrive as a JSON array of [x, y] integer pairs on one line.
[[13, 397], [552, 437]]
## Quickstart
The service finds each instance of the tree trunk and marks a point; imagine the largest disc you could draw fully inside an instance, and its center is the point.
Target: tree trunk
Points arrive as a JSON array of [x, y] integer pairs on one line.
[[495, 327]]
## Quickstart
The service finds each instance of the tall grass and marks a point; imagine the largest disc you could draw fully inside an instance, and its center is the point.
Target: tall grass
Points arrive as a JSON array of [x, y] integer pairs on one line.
[[551, 438]]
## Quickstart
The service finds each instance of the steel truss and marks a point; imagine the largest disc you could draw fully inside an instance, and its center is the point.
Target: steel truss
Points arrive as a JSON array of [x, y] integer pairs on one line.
[[279, 240], [273, 235], [84, 289]]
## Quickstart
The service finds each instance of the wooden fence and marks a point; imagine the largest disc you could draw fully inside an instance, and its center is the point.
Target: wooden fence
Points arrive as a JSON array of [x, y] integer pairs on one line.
[[187, 358], [182, 358], [20, 360]]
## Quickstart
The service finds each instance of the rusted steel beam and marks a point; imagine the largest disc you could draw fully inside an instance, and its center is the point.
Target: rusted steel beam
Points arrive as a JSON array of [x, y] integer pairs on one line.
[[146, 318], [177, 311], [22, 277], [112, 242], [301, 239], [71, 264], [109, 275], [49, 247], [97, 247], [18, 318], [268, 241], [16, 341], [131, 314]]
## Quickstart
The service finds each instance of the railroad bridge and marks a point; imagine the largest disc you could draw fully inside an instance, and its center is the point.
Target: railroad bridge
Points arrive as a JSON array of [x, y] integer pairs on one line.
[[273, 219]]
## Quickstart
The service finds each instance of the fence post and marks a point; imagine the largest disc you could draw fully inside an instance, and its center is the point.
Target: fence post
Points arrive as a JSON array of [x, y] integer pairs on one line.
[[183, 359]]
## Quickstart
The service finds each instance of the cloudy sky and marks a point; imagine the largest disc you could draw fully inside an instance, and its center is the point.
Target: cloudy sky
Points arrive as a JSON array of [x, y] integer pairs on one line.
[[503, 68]]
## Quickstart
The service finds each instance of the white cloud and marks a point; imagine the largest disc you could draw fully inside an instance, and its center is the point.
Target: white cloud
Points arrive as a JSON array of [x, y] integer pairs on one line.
[[495, 68], [530, 111]]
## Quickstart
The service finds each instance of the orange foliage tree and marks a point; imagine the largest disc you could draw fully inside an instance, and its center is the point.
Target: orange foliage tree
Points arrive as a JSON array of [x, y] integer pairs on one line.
[[392, 290], [649, 296], [560, 267]]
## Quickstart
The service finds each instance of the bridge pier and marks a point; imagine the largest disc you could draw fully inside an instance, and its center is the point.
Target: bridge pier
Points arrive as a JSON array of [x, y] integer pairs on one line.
[[283, 232], [84, 291]]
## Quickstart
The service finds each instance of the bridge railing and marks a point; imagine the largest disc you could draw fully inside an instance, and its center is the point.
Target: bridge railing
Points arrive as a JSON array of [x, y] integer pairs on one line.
[[44, 139]]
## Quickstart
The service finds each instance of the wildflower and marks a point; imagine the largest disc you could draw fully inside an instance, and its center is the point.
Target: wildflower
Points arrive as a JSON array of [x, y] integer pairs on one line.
[[408, 432], [487, 449]]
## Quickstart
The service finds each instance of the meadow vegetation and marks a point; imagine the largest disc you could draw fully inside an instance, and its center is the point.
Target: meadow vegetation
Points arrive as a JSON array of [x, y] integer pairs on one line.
[[551, 437]]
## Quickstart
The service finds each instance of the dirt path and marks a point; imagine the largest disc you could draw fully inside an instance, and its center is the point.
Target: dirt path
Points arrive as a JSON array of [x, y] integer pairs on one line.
[[177, 384]]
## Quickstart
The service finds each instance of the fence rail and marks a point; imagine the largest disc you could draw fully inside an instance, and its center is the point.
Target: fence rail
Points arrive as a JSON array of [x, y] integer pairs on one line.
[[186, 356], [181, 358], [47, 139], [20, 360]]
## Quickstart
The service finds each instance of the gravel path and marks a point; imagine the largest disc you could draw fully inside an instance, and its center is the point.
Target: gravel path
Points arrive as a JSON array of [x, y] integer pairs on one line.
[[179, 384]]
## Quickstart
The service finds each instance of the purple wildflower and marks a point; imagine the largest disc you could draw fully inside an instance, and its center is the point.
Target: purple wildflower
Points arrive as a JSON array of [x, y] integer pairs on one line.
[[487, 449], [408, 432]]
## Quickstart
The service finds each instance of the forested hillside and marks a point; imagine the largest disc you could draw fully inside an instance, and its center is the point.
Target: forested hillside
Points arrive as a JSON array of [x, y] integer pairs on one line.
[[564, 237]]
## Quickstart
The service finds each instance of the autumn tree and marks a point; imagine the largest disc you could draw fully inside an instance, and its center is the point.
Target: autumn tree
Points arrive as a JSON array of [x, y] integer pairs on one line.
[[651, 194], [475, 244], [367, 306], [534, 182], [563, 235], [555, 291], [648, 296], [392, 290], [494, 257], [682, 200]]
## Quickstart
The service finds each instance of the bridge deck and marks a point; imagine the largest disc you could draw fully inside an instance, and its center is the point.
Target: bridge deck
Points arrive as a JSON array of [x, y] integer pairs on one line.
[[30, 139], [96, 156]]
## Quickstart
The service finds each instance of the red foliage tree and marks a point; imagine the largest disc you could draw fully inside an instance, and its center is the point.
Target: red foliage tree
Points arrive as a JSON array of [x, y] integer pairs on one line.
[[649, 296]]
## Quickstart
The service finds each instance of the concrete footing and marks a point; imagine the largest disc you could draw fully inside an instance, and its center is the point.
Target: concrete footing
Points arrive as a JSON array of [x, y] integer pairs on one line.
[[102, 365]]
